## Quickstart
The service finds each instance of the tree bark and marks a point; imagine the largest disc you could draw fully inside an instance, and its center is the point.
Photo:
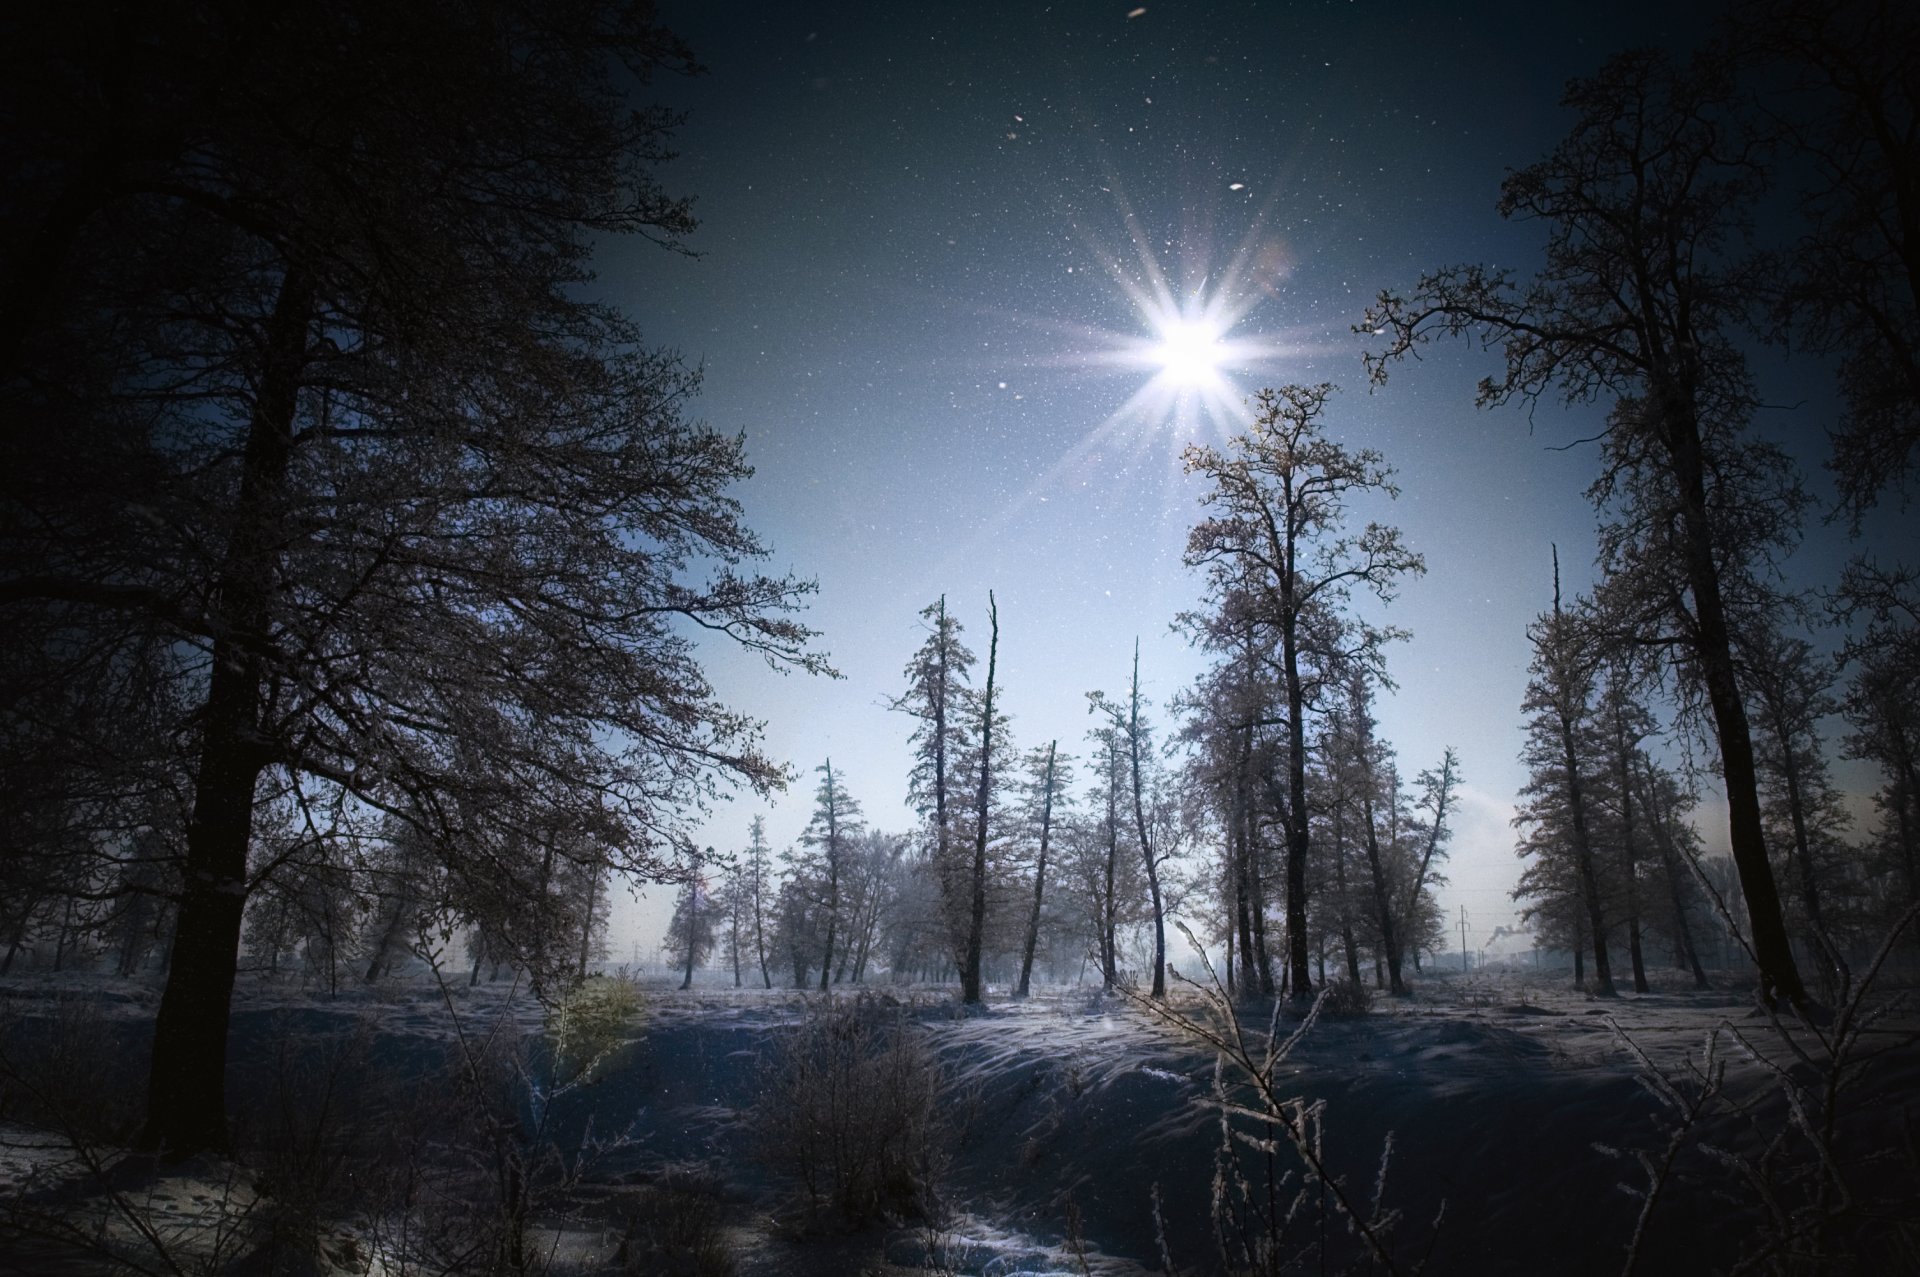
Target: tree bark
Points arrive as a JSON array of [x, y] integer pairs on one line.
[[186, 1083], [1713, 647]]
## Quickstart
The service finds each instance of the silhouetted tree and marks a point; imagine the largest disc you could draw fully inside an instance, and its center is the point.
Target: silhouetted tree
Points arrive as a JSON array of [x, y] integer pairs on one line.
[[1643, 283], [1134, 738], [1049, 782], [1560, 757], [985, 776], [1278, 497], [405, 512], [1834, 80]]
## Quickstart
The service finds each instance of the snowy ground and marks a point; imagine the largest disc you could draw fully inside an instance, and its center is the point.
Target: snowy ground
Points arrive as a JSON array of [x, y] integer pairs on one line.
[[1072, 1105]]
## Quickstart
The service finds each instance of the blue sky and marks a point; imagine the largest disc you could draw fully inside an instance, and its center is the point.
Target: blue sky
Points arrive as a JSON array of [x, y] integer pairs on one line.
[[920, 226]]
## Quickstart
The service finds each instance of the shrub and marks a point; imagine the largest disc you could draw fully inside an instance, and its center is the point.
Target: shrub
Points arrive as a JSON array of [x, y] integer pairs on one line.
[[848, 1115], [676, 1226], [1346, 999], [589, 1023]]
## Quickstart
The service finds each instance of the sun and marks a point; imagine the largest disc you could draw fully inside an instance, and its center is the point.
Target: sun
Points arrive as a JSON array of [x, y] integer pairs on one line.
[[1190, 353]]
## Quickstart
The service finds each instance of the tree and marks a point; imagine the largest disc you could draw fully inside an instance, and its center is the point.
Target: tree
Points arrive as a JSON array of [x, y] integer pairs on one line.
[[1377, 798], [1279, 494], [835, 824], [1559, 755], [991, 729], [1622, 722], [1677, 841], [1049, 782], [1836, 83], [1103, 869], [937, 687], [1133, 736], [755, 884], [1230, 715], [1642, 206], [690, 932], [1437, 797], [401, 878], [1804, 812], [372, 489]]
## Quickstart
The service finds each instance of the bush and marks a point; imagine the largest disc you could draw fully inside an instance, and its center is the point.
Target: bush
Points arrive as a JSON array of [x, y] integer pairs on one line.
[[70, 1070], [677, 1226], [1346, 999], [589, 1023], [848, 1115]]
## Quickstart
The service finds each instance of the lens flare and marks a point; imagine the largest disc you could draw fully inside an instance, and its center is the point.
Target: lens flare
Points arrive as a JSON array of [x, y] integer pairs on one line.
[[1190, 353]]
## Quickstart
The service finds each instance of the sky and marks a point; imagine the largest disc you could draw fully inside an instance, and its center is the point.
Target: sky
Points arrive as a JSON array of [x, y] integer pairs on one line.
[[926, 235]]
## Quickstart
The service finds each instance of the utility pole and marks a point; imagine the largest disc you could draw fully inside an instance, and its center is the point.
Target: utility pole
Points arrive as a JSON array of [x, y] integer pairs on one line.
[[1463, 939]]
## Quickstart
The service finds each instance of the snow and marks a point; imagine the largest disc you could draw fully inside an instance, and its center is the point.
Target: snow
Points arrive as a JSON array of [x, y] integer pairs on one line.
[[1494, 1091]]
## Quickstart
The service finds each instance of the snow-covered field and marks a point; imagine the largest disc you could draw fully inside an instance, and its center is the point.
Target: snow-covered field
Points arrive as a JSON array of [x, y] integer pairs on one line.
[[1068, 1116]]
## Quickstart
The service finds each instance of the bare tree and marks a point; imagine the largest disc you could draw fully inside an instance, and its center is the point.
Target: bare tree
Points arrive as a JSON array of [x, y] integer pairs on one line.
[[1642, 205], [1558, 754], [409, 515], [1278, 498], [984, 778], [1133, 736], [1049, 780], [1835, 81]]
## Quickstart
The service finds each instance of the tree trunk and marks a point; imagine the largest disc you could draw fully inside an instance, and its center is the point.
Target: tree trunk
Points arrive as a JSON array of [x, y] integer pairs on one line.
[[1623, 754], [1583, 862], [693, 932], [1299, 979], [1348, 944], [1382, 894], [1039, 876], [833, 878], [977, 884], [1664, 841], [1146, 842], [186, 1083], [1779, 977], [1109, 918], [1257, 906]]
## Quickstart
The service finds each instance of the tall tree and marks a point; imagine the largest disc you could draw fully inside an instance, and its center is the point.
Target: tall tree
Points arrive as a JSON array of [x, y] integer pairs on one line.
[[1623, 722], [410, 515], [1049, 781], [1134, 736], [1676, 840], [1835, 79], [1438, 795], [1377, 795], [1101, 841], [830, 833], [1643, 205], [691, 930], [984, 777], [1278, 498], [756, 884], [1559, 755], [937, 689], [1790, 689]]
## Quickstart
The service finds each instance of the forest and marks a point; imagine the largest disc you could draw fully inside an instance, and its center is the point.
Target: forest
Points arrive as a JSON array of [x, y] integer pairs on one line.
[[362, 571]]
